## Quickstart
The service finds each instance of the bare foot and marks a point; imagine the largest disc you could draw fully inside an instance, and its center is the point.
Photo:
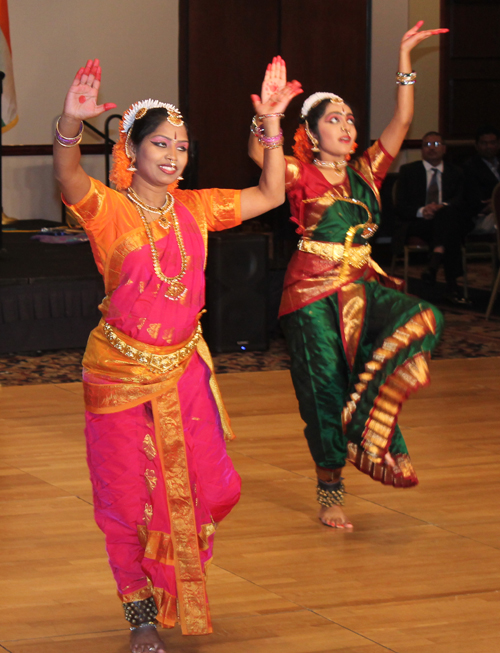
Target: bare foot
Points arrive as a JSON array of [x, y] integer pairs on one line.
[[334, 517], [146, 639]]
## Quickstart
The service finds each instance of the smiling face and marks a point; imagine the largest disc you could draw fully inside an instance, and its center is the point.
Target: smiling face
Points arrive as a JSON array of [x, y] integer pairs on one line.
[[162, 155], [336, 131]]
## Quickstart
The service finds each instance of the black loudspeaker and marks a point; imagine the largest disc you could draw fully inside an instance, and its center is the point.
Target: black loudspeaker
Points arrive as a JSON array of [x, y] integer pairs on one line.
[[237, 283]]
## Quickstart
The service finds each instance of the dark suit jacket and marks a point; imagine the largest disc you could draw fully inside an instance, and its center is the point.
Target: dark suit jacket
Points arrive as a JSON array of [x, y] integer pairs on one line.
[[412, 188], [479, 183], [411, 194]]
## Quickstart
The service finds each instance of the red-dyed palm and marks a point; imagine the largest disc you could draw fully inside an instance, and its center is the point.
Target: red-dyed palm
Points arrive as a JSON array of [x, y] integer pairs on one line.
[[278, 101], [276, 92], [413, 36], [274, 79], [81, 99]]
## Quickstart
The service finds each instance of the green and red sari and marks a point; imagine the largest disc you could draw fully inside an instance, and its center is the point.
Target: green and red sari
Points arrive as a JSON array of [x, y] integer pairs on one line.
[[359, 346]]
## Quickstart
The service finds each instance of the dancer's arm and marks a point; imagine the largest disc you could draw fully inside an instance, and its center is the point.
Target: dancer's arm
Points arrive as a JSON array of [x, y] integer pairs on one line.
[[80, 104], [271, 189], [394, 134], [274, 80]]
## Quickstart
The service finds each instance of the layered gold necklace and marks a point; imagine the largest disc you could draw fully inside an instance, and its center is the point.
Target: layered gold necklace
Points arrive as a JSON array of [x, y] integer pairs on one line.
[[176, 289]]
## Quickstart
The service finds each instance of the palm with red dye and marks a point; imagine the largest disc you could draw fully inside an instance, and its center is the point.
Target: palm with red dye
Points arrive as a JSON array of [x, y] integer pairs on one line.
[[274, 79], [276, 93], [81, 100], [413, 36]]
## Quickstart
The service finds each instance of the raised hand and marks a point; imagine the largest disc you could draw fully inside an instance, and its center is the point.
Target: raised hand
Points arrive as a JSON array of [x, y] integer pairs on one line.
[[414, 36], [274, 79], [81, 100], [276, 93]]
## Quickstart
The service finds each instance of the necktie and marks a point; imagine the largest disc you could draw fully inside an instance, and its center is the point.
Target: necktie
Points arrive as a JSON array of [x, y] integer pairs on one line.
[[433, 189]]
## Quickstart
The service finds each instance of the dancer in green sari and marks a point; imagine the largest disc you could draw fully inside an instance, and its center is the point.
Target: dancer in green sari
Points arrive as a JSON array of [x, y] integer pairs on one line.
[[358, 345]]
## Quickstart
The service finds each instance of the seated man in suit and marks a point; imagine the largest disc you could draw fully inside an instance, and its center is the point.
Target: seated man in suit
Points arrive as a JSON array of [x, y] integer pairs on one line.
[[482, 174], [429, 204]]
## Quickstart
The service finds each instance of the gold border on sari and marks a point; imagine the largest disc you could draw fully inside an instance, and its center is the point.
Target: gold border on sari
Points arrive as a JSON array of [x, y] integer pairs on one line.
[[352, 304], [190, 579], [401, 475], [416, 328]]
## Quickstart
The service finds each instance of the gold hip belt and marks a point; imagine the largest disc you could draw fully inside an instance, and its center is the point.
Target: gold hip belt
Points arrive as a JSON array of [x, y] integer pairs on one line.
[[155, 362], [357, 257]]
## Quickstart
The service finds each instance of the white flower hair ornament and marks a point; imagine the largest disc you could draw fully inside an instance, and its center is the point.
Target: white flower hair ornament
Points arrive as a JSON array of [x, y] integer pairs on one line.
[[139, 110], [314, 99]]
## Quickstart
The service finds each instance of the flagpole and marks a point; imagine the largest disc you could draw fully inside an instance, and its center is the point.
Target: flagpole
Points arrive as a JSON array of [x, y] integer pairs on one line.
[[2, 75]]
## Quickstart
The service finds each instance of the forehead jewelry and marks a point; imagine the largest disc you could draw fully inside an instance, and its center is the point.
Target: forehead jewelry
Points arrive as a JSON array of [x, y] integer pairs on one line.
[[139, 110], [314, 99]]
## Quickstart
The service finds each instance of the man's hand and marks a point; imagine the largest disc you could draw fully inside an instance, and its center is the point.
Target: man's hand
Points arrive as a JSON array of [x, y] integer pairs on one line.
[[430, 209]]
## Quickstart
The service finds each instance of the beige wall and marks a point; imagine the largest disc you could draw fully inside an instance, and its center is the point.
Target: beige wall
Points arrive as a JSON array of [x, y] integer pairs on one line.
[[136, 41], [426, 64], [390, 19], [389, 23]]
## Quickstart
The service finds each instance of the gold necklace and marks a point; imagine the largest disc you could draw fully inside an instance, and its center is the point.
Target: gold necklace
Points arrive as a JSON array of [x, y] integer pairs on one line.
[[176, 288], [338, 166], [162, 211]]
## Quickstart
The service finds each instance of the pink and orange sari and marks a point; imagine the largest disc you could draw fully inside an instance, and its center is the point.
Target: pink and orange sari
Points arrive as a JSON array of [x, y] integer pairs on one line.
[[155, 423]]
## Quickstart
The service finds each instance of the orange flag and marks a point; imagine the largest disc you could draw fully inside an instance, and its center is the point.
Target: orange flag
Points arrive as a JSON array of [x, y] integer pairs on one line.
[[9, 107]]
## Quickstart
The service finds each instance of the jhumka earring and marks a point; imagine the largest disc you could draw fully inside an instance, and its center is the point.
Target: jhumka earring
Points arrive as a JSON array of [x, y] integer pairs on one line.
[[313, 139], [129, 154]]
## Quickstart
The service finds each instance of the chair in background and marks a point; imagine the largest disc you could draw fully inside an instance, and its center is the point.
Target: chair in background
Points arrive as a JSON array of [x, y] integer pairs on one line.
[[414, 244], [410, 245], [495, 201], [481, 246]]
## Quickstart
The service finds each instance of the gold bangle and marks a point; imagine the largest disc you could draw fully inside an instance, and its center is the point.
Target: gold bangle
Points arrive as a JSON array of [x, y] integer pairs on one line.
[[66, 141]]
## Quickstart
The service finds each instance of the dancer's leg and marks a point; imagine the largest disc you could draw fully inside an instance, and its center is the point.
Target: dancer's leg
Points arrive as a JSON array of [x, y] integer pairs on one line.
[[320, 376]]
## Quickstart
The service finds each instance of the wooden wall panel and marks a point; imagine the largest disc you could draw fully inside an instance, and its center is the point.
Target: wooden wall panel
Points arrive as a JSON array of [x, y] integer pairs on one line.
[[470, 66], [224, 48], [326, 46]]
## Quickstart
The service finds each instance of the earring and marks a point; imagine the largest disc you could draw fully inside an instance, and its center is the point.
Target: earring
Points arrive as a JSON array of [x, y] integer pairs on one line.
[[132, 167], [180, 178], [313, 139]]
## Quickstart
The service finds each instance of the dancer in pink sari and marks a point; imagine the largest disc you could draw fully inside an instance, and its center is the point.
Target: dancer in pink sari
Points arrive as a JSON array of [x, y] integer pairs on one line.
[[155, 422]]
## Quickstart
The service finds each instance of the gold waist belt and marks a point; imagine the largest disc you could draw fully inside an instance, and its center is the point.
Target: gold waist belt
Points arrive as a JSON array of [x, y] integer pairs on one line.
[[357, 257], [157, 363]]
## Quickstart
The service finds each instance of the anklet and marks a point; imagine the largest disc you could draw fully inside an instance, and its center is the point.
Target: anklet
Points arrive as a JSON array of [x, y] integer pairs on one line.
[[141, 612], [144, 625], [330, 494]]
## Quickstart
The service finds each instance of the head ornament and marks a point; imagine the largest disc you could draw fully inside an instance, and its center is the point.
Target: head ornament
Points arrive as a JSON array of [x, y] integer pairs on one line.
[[139, 109], [314, 99]]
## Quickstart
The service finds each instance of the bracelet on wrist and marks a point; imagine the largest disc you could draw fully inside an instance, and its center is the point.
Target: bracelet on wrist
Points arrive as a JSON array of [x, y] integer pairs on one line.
[[254, 127], [269, 142], [271, 115], [406, 79], [64, 140]]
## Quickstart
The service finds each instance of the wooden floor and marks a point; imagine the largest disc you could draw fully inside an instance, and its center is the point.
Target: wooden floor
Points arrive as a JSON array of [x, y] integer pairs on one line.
[[421, 571]]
